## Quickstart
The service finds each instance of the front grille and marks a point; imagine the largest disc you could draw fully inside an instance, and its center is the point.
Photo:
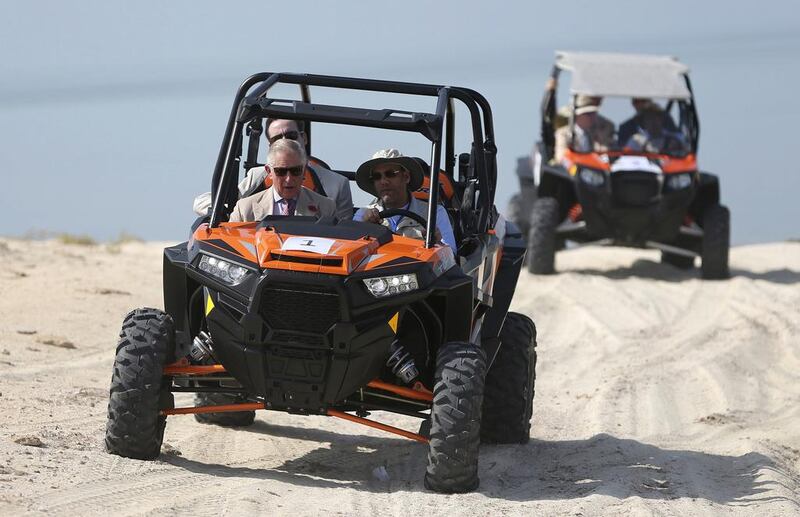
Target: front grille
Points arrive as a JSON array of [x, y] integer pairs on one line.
[[633, 188], [303, 339], [299, 307]]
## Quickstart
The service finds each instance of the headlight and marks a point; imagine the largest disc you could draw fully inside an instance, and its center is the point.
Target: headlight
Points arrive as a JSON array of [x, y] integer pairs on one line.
[[229, 273], [389, 285], [678, 181], [592, 177]]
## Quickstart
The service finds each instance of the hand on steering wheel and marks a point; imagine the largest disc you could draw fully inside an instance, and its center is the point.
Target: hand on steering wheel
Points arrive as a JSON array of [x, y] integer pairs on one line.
[[391, 212]]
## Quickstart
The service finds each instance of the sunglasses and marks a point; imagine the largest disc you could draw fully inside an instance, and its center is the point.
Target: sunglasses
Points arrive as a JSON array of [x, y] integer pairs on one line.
[[283, 171], [377, 176], [290, 135]]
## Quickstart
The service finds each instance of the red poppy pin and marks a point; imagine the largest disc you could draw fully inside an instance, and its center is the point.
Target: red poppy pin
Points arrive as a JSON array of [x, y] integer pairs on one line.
[[313, 208]]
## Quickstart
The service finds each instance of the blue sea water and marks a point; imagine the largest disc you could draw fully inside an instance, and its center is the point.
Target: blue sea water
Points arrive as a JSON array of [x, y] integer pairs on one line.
[[110, 129]]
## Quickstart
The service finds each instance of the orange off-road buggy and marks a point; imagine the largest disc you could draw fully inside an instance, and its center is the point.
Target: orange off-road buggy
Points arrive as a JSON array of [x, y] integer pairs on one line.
[[645, 190], [341, 318]]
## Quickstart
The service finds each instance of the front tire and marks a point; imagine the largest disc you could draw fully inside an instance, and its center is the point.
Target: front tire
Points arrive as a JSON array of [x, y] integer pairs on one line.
[[508, 396], [456, 418], [716, 242], [139, 391], [542, 237]]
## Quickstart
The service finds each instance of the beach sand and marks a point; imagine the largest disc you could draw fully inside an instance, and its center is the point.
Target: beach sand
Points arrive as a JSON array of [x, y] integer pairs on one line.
[[657, 394]]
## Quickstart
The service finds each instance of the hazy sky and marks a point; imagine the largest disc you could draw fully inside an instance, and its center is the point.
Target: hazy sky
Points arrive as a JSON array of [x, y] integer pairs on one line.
[[112, 113]]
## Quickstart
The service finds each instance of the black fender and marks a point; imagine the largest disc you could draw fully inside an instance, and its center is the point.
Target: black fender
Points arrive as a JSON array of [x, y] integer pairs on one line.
[[707, 194], [556, 182], [178, 292], [504, 286]]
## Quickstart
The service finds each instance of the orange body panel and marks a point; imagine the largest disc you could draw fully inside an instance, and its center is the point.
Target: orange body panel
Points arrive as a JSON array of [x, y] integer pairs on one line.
[[672, 165], [353, 254], [591, 160], [599, 161]]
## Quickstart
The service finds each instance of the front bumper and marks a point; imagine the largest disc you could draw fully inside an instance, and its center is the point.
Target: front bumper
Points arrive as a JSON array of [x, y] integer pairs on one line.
[[633, 208], [298, 342]]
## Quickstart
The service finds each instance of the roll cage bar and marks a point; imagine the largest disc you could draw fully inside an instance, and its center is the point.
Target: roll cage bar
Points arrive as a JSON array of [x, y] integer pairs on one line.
[[549, 106], [251, 104]]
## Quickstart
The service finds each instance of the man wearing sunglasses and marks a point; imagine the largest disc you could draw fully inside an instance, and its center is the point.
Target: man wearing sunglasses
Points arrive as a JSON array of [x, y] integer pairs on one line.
[[323, 181], [286, 167], [392, 177]]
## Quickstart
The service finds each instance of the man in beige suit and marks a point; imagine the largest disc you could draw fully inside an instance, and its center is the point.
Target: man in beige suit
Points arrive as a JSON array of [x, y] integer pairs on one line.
[[592, 131], [286, 166], [325, 182]]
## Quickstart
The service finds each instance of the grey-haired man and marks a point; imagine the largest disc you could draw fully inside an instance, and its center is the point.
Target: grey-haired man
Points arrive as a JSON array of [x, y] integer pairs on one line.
[[286, 166], [328, 183]]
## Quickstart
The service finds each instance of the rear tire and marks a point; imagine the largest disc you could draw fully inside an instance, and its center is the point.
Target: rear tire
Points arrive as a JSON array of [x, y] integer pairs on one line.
[[542, 237], [678, 261], [135, 427], [234, 419], [456, 418], [716, 242], [508, 396]]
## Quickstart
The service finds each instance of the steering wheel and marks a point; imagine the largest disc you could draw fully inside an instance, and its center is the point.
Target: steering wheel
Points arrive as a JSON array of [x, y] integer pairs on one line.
[[391, 212], [672, 144], [669, 143]]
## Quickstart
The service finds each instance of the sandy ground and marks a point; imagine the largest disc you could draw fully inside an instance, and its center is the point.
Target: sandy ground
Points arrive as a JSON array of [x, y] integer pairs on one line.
[[657, 394]]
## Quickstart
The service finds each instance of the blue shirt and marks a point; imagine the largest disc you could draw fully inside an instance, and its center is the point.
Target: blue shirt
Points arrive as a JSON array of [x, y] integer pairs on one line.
[[442, 223]]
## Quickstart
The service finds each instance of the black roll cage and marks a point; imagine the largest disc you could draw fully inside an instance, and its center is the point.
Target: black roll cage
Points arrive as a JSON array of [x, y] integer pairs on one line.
[[549, 106], [251, 103]]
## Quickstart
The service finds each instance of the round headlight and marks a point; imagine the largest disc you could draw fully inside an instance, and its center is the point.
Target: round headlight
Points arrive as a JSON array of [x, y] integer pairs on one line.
[[236, 273], [231, 274], [679, 181], [591, 177], [378, 286]]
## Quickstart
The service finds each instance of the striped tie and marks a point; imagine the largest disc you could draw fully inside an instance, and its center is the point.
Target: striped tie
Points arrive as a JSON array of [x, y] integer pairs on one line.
[[290, 206]]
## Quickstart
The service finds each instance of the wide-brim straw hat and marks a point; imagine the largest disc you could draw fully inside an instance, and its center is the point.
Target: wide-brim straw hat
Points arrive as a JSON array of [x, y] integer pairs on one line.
[[412, 165]]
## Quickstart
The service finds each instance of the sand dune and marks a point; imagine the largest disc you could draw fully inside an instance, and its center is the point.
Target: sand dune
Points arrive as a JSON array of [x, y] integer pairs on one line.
[[657, 393]]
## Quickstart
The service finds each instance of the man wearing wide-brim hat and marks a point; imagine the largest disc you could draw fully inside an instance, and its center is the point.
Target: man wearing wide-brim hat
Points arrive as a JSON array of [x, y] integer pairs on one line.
[[590, 131], [391, 178]]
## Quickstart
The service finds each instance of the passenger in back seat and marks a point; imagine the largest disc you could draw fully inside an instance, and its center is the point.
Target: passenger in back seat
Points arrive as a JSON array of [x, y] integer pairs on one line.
[[392, 178], [330, 184]]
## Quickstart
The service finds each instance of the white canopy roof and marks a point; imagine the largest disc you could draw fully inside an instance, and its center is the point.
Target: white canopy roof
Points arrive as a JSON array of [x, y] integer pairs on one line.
[[625, 75]]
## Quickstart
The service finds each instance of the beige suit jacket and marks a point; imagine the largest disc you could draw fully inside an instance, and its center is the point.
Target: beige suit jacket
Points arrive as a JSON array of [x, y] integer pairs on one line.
[[336, 187], [258, 206], [601, 135]]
